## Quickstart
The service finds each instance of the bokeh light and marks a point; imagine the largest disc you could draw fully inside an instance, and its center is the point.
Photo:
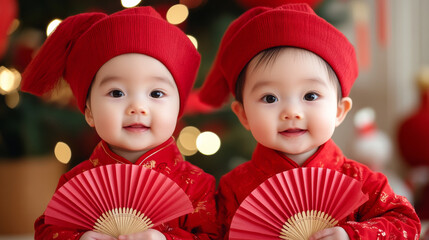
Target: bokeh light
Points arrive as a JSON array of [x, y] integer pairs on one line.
[[208, 143], [12, 99], [52, 26], [187, 140], [130, 3], [62, 152], [9, 80], [193, 40], [177, 14]]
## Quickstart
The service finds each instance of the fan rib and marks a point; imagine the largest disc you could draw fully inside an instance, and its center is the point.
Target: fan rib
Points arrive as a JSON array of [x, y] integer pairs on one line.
[[117, 199], [296, 204]]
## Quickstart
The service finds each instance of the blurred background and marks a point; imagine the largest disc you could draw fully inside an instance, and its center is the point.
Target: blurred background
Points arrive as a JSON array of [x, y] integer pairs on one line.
[[387, 129]]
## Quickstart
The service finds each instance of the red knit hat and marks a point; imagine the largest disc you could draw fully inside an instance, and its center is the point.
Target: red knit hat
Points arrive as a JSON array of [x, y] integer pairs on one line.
[[260, 28], [81, 44]]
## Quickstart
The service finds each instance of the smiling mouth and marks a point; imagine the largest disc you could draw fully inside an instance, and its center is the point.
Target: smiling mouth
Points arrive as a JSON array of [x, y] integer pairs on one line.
[[136, 128], [293, 132]]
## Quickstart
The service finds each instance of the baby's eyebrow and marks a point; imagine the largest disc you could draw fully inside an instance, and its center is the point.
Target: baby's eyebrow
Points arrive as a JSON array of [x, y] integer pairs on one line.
[[112, 78], [261, 84], [108, 79]]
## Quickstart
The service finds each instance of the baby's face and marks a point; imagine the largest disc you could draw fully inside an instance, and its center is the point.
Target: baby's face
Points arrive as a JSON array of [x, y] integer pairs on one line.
[[290, 104], [133, 103]]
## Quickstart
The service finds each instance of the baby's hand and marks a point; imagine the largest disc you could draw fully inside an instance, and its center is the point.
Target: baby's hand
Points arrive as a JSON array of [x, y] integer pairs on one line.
[[336, 233], [90, 235], [150, 234]]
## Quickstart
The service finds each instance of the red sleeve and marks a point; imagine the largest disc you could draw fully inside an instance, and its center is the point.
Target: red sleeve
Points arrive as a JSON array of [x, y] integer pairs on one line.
[[227, 205], [384, 215]]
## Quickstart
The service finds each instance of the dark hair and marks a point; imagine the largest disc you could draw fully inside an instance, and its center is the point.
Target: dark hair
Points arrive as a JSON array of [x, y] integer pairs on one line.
[[266, 57]]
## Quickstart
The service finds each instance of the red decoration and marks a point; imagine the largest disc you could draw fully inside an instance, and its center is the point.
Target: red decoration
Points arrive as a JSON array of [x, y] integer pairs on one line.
[[297, 203], [275, 3], [383, 22], [117, 199], [413, 135], [362, 30], [9, 9]]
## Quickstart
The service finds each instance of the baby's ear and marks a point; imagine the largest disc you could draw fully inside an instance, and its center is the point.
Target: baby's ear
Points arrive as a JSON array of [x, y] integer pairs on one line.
[[238, 109], [344, 106], [88, 116]]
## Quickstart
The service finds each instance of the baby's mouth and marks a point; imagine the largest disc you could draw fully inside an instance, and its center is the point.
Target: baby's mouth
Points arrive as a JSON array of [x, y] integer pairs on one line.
[[293, 132], [136, 127]]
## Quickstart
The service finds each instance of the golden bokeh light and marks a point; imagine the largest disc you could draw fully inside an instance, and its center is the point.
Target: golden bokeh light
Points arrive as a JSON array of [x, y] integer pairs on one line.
[[62, 152], [187, 140], [9, 80], [12, 99], [208, 143], [193, 40], [177, 14], [130, 3], [188, 137], [185, 151], [52, 26]]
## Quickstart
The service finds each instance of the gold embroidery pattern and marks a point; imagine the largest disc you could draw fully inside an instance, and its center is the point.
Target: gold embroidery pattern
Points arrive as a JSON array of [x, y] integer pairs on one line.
[[94, 162], [383, 197], [149, 164], [189, 181], [195, 172], [55, 235], [200, 206]]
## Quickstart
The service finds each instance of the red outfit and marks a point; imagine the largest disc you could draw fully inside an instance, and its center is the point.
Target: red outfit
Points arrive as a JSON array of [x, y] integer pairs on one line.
[[166, 159], [384, 215]]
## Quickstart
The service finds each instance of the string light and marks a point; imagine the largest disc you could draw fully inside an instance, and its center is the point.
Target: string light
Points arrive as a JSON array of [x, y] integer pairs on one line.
[[193, 40], [177, 14], [62, 152], [208, 143], [130, 3], [52, 26]]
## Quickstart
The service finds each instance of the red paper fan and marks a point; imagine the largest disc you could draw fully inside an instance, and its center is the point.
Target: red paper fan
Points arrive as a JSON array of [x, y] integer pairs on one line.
[[117, 199], [295, 204]]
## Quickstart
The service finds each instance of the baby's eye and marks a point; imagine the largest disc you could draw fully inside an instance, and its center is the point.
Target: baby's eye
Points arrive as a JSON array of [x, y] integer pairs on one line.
[[269, 98], [116, 93], [157, 94], [311, 96]]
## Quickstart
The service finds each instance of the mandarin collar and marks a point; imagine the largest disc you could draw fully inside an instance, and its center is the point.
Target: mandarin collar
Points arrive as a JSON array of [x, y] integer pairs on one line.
[[166, 153], [271, 161]]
